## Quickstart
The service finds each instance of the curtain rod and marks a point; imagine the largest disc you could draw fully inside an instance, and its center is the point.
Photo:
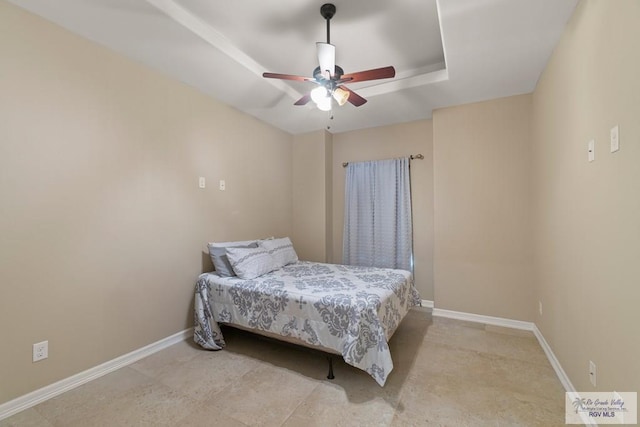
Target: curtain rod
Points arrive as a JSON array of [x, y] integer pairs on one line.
[[413, 156]]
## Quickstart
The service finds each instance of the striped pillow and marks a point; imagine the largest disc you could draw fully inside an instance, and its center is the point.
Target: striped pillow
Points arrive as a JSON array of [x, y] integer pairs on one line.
[[249, 263], [281, 250]]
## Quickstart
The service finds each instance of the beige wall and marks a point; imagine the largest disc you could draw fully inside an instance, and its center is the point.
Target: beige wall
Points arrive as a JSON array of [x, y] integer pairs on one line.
[[102, 224], [328, 158], [482, 249], [312, 195], [103, 228], [587, 215], [383, 143]]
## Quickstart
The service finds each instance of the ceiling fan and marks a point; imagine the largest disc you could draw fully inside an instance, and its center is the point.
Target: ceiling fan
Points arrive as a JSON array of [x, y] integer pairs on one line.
[[329, 77]]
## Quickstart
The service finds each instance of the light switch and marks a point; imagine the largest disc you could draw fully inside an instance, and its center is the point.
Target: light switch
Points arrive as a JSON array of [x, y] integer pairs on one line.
[[591, 150], [223, 186], [201, 182], [615, 139]]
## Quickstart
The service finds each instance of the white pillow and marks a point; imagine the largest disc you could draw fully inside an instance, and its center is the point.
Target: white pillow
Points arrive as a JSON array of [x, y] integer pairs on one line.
[[281, 250], [249, 263]]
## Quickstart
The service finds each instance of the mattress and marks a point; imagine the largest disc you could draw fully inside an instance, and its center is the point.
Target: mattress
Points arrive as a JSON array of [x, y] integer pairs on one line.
[[350, 310]]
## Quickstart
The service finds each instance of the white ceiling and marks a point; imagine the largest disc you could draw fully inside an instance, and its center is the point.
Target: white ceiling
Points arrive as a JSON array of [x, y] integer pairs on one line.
[[445, 52]]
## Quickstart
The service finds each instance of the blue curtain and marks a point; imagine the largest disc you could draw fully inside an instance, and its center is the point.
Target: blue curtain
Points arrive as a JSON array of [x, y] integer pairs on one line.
[[377, 223]]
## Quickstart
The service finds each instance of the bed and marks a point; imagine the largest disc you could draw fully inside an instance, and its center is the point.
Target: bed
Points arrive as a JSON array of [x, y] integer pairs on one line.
[[346, 310]]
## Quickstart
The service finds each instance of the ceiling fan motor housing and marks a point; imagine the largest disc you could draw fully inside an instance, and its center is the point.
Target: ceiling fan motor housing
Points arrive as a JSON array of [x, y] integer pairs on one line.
[[317, 74]]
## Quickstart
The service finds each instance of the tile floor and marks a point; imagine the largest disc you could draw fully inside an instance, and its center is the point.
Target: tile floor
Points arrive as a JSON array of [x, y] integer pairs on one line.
[[447, 373]]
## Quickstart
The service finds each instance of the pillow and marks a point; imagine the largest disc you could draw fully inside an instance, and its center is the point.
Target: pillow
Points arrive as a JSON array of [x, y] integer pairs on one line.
[[281, 250], [218, 254], [249, 263]]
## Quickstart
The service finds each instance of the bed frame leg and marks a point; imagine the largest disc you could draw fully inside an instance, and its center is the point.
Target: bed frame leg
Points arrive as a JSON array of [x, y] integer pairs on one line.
[[330, 375]]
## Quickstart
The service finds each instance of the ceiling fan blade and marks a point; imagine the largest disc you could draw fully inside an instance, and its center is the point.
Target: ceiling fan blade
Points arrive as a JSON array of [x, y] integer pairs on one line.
[[327, 57], [374, 74], [304, 100], [354, 98], [287, 77]]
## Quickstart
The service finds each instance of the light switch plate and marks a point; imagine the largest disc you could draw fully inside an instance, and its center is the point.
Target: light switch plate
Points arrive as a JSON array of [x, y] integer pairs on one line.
[[615, 139], [591, 150], [201, 182], [223, 185]]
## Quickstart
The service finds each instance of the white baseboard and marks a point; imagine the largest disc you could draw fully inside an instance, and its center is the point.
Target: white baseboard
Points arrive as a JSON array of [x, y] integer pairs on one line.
[[562, 375], [488, 320], [427, 303], [555, 364], [45, 393]]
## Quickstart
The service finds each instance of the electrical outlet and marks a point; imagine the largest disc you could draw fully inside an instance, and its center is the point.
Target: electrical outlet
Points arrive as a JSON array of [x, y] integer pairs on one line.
[[540, 307], [592, 373], [40, 351]]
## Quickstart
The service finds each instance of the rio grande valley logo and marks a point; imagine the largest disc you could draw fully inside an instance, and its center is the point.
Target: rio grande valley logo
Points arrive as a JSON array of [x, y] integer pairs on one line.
[[601, 407]]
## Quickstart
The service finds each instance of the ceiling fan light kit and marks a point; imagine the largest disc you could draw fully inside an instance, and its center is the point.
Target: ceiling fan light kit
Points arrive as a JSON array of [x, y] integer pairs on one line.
[[341, 96], [319, 94], [330, 77], [324, 105]]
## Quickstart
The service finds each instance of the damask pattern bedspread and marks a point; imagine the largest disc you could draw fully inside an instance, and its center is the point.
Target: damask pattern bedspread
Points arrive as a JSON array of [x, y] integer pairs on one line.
[[352, 310]]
